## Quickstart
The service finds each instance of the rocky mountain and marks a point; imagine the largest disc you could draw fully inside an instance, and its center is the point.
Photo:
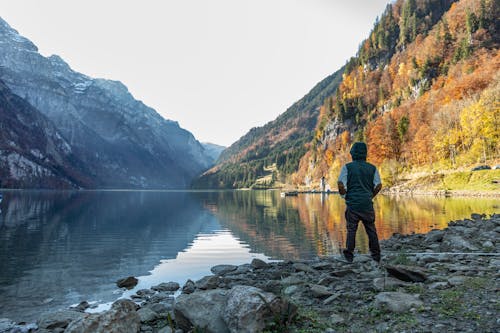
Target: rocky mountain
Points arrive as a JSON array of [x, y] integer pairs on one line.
[[273, 148], [33, 153], [120, 141], [422, 91], [213, 150]]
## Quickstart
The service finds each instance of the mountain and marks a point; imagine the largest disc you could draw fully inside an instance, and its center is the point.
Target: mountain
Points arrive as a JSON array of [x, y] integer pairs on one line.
[[33, 153], [273, 150], [213, 150], [119, 140], [422, 91]]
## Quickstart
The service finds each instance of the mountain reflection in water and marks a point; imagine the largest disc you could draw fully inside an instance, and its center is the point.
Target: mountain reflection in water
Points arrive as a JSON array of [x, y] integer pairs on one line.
[[60, 248]]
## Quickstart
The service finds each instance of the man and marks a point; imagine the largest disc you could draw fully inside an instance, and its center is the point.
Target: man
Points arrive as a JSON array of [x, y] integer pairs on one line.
[[359, 182]]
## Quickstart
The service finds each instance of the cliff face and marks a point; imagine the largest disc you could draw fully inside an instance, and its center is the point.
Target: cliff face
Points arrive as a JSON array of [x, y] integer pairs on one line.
[[33, 153], [123, 142]]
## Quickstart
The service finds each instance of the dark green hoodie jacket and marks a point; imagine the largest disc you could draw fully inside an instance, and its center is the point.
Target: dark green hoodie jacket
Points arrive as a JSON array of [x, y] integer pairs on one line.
[[360, 180]]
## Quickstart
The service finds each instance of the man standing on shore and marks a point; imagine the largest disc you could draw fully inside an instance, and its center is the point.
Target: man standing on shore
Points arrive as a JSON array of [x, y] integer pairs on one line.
[[359, 182]]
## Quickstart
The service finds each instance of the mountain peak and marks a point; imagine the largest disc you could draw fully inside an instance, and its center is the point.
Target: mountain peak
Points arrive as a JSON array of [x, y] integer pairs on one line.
[[8, 34]]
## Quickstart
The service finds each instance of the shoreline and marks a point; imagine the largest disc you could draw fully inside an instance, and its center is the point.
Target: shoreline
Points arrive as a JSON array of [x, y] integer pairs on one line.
[[425, 282]]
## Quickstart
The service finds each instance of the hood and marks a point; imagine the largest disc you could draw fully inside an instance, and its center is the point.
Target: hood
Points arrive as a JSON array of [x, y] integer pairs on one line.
[[359, 151]]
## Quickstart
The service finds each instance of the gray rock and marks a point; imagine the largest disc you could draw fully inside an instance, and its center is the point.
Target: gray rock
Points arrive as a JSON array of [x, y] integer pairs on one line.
[[189, 287], [249, 309], [301, 267], [336, 319], [223, 269], [202, 309], [434, 236], [342, 272], [208, 282], [290, 290], [439, 285], [121, 318], [488, 245], [397, 302], [243, 269], [457, 280], [166, 286], [320, 291], [332, 298], [388, 283], [257, 263], [58, 319], [407, 273], [457, 242], [165, 329], [292, 279], [82, 306], [128, 282], [147, 314]]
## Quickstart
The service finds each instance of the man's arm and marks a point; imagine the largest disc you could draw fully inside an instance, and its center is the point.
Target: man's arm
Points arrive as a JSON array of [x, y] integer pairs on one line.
[[342, 181], [376, 190], [376, 183], [342, 189]]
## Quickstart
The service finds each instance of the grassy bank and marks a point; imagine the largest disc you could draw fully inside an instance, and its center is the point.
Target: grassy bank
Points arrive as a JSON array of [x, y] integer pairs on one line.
[[485, 182]]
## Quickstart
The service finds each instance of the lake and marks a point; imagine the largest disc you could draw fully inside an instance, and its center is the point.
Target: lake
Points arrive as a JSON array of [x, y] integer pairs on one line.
[[58, 248]]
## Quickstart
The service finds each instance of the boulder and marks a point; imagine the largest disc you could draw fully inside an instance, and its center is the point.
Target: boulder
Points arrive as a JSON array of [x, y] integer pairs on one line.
[[189, 287], [58, 319], [121, 318], [406, 273], [208, 282], [458, 243], [202, 309], [166, 286], [223, 269], [396, 301], [388, 283], [257, 263], [249, 309], [300, 267], [147, 314], [128, 282], [320, 291]]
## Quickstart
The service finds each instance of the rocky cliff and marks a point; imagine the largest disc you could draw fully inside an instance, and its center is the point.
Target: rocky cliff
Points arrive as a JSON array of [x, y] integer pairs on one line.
[[124, 143], [33, 153]]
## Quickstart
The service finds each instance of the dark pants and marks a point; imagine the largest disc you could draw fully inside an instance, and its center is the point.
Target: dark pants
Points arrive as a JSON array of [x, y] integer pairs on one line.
[[368, 218]]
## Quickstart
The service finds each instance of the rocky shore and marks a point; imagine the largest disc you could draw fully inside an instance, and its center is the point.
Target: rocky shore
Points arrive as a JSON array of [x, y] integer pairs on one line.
[[443, 281]]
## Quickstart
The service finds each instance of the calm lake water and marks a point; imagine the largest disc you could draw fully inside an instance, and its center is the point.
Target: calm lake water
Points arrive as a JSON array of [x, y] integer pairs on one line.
[[60, 248]]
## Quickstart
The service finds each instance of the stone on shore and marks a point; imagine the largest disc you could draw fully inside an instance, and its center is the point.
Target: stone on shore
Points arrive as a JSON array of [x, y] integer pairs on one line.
[[58, 319], [166, 286], [406, 273], [202, 309], [257, 263], [249, 309], [223, 269], [128, 282], [121, 318], [397, 301]]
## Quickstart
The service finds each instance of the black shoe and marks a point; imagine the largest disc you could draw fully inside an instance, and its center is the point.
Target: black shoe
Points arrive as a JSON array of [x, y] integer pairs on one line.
[[347, 256]]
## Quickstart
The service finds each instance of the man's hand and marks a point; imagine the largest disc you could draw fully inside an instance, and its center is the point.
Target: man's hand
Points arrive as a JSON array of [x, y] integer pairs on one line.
[[342, 189], [376, 190]]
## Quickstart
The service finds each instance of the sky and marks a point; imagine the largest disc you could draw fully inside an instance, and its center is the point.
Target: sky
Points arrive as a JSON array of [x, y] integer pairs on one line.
[[218, 67]]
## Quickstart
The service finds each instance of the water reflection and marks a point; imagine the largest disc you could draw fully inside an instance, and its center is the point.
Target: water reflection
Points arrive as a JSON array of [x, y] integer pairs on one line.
[[60, 248], [314, 224]]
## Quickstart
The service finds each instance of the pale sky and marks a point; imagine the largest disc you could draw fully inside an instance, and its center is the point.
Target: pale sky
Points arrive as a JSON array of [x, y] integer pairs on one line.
[[218, 67]]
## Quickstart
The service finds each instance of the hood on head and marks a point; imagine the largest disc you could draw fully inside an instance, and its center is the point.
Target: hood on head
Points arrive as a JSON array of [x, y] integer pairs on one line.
[[359, 151]]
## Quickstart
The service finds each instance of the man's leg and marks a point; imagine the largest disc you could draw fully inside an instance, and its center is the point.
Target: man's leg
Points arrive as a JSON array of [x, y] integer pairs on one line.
[[352, 220], [368, 219]]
